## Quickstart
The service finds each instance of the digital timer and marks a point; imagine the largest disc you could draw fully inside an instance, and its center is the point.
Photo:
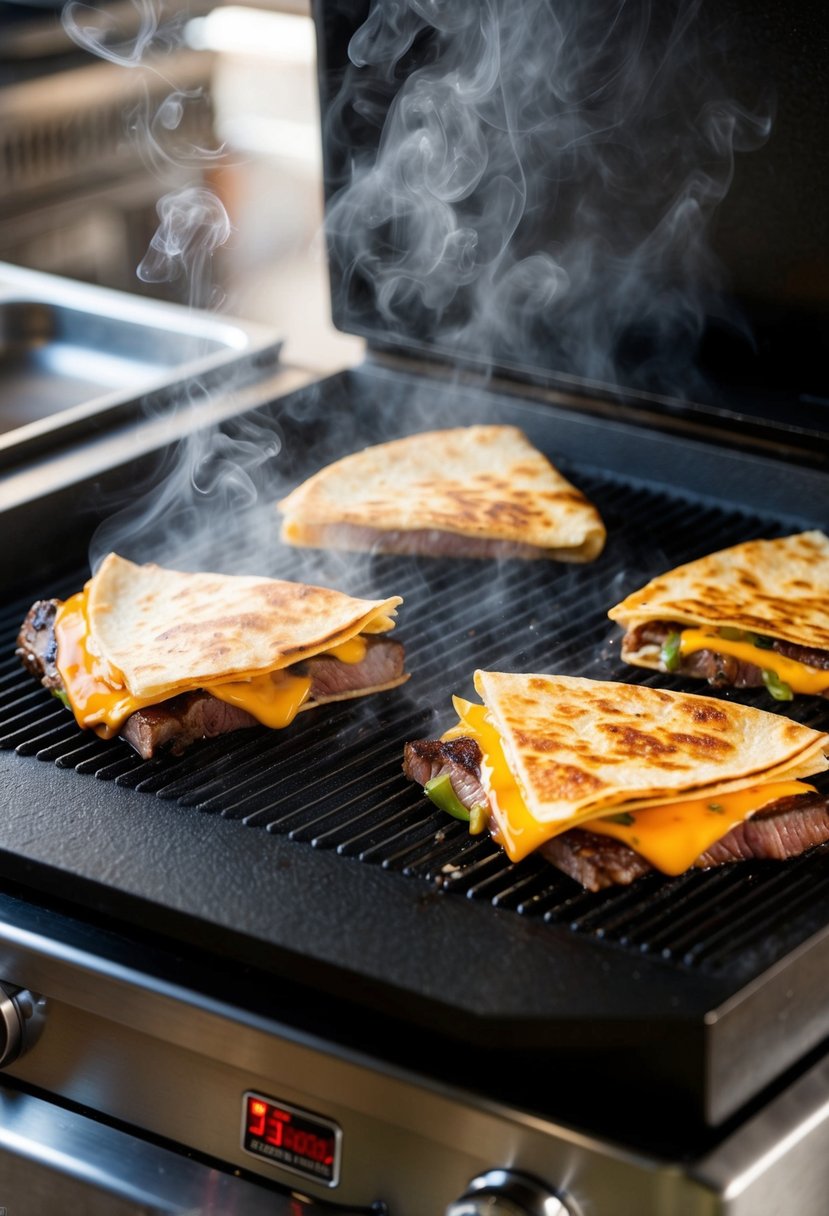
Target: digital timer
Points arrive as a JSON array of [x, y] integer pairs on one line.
[[294, 1139]]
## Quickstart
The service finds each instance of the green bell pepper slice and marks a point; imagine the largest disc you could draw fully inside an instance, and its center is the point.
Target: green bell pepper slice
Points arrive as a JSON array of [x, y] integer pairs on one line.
[[440, 790], [778, 688]]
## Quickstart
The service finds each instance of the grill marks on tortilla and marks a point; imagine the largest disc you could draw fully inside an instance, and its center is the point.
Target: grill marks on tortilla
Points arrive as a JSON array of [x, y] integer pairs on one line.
[[671, 751], [167, 630], [178, 722], [581, 750], [575, 744], [777, 588], [475, 491]]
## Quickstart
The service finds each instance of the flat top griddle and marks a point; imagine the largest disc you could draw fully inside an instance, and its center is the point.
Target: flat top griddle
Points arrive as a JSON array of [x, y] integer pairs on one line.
[[306, 855]]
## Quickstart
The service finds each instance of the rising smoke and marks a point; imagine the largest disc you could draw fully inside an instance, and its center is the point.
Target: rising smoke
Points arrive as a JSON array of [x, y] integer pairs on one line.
[[523, 184], [209, 476], [537, 182]]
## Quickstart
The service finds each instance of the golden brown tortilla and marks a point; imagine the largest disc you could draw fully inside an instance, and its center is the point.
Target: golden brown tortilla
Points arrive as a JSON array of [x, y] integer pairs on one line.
[[580, 747], [166, 630], [486, 485], [778, 588]]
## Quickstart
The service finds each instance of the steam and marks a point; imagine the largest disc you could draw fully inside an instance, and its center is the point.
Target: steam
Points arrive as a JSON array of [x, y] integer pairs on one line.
[[522, 186], [193, 224], [179, 512], [125, 41], [544, 182]]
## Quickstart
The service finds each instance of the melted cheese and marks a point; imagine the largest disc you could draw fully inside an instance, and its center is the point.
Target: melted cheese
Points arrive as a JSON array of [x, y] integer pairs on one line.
[[515, 828], [671, 836], [798, 676], [101, 702]]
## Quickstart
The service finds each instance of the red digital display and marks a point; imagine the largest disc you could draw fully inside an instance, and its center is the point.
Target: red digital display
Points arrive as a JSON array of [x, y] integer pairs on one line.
[[295, 1139]]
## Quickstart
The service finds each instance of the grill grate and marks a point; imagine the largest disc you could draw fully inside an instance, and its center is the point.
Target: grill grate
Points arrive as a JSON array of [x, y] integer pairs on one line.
[[333, 780]]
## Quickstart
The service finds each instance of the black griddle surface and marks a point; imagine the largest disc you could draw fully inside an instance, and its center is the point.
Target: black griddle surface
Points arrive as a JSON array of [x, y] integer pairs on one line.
[[306, 853]]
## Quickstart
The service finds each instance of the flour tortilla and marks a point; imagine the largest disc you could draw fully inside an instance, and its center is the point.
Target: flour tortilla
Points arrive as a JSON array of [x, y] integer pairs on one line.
[[167, 631], [579, 748], [778, 588], [482, 483]]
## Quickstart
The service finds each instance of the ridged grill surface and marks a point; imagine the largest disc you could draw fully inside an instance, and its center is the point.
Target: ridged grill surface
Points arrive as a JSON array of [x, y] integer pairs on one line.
[[333, 779]]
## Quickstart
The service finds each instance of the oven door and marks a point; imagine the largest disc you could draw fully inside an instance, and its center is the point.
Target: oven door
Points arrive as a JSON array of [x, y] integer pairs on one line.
[[54, 1159], [140, 1095]]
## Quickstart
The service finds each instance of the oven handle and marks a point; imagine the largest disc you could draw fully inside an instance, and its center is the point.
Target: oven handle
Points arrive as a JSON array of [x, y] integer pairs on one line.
[[56, 1160]]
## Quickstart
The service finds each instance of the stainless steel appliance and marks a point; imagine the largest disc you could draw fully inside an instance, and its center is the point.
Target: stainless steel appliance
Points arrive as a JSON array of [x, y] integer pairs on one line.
[[264, 976]]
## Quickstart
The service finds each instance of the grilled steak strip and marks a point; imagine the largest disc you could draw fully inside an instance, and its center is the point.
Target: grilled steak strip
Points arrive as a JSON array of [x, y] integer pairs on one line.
[[594, 861], [36, 645], [785, 828], [721, 670], [427, 542], [459, 758], [183, 719]]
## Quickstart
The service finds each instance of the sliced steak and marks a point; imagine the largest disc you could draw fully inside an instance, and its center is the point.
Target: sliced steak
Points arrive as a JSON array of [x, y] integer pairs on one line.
[[182, 720], [593, 860], [36, 646], [426, 542], [785, 829], [720, 670], [459, 758], [810, 655], [333, 680]]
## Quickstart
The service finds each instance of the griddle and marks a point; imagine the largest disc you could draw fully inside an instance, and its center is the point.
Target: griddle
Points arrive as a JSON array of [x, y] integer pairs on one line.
[[307, 856], [300, 867]]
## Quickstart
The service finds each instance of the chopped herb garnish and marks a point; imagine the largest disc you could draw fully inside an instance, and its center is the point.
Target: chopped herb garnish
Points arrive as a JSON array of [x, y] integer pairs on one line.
[[716, 807], [777, 687], [623, 817], [732, 634], [669, 654]]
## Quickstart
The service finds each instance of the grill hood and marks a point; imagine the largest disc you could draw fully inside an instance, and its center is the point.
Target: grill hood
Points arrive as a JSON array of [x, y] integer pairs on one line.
[[628, 199]]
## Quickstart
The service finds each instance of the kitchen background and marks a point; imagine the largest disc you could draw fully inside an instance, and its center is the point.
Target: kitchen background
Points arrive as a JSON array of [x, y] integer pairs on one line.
[[168, 98]]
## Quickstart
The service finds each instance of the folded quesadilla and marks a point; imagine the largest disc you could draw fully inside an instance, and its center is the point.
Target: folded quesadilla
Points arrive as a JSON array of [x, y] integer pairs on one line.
[[752, 615], [477, 491], [163, 657], [609, 780]]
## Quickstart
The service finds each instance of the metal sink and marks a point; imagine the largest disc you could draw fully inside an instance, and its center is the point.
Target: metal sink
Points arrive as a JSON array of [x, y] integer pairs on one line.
[[76, 358]]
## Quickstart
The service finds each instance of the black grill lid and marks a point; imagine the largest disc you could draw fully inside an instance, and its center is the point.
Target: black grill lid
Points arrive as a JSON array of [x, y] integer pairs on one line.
[[628, 198], [307, 854]]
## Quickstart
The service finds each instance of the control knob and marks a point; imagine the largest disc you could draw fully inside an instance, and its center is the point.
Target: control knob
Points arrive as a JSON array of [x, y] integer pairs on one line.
[[508, 1193], [21, 1017]]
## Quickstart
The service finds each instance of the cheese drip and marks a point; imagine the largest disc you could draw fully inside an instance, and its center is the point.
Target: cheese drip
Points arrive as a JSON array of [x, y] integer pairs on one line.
[[671, 836], [101, 702], [798, 676]]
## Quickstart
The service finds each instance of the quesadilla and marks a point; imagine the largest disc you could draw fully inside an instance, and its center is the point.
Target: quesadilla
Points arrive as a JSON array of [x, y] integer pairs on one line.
[[755, 614], [477, 491], [164, 657], [609, 780]]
